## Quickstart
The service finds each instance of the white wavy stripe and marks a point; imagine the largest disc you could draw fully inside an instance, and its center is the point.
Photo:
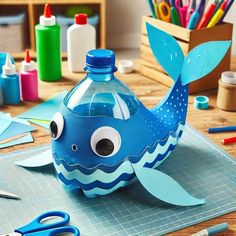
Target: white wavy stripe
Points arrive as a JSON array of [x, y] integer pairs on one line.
[[125, 167], [150, 157]]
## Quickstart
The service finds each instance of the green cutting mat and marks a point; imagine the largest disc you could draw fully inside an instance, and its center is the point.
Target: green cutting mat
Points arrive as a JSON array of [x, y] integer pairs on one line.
[[200, 166]]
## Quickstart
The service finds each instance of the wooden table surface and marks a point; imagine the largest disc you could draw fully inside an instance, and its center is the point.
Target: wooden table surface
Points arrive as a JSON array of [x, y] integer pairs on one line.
[[150, 93]]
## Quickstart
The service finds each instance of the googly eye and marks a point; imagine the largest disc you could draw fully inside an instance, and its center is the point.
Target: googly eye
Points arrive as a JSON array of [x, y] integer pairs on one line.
[[105, 141], [56, 125]]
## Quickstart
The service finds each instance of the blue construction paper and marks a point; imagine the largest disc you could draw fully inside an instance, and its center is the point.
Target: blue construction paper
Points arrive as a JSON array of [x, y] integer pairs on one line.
[[202, 59], [45, 110], [166, 51], [38, 122], [4, 124], [165, 188], [26, 139], [39, 160], [16, 128]]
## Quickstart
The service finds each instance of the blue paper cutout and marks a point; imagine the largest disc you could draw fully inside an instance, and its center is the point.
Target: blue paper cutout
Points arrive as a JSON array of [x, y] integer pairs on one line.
[[25, 139], [14, 129], [4, 124], [39, 160], [165, 188], [45, 110], [202, 59], [166, 51]]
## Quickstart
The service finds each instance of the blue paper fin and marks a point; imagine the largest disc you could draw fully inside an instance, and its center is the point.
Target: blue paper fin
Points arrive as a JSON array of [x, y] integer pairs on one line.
[[166, 51], [203, 59], [165, 188]]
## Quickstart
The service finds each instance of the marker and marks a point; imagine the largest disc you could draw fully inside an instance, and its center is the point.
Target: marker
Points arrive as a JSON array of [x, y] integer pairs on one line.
[[212, 230], [228, 140], [10, 83], [28, 79], [229, 4], [222, 129], [48, 47], [174, 15], [196, 15], [218, 15], [150, 3], [207, 15], [190, 10]]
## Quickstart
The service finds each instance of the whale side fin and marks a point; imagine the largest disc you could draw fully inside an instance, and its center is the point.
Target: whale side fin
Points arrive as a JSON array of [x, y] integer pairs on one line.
[[202, 59], [166, 51], [164, 187]]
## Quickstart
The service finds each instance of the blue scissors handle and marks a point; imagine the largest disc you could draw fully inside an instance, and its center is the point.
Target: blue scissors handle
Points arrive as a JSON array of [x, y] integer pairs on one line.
[[37, 225], [56, 231]]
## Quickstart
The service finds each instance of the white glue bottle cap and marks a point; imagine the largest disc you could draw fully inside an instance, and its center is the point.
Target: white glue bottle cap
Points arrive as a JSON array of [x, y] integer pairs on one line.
[[27, 64], [8, 68], [47, 19]]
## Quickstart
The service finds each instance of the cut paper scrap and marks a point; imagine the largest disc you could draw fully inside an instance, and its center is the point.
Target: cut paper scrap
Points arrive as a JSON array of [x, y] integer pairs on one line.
[[5, 123], [39, 160], [168, 189], [23, 138], [16, 128], [42, 113], [43, 123]]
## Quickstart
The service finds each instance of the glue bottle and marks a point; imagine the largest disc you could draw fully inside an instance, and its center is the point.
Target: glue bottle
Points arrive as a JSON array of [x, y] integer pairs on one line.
[[28, 79], [10, 83], [48, 47], [81, 37]]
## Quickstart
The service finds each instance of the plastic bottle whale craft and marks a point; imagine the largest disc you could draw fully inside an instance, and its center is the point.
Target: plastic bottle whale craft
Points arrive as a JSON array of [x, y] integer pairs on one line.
[[103, 136]]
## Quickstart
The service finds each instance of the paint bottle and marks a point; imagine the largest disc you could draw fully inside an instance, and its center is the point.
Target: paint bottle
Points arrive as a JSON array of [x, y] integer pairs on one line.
[[10, 83], [81, 38], [48, 47], [28, 79]]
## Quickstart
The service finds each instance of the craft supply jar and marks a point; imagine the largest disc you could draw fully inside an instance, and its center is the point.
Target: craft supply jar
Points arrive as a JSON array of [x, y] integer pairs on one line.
[[226, 97]]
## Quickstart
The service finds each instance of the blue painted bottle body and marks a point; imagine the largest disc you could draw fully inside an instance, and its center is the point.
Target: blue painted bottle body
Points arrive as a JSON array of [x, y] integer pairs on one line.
[[11, 89]]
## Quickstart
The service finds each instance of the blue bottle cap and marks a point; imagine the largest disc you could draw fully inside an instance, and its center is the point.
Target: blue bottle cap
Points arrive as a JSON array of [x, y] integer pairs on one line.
[[100, 58], [201, 102]]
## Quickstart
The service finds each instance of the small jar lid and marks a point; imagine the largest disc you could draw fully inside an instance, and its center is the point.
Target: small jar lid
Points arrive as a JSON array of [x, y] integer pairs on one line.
[[228, 77], [125, 66], [201, 102]]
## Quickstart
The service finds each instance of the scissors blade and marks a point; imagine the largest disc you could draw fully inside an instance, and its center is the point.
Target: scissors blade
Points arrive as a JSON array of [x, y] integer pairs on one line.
[[11, 234], [9, 195]]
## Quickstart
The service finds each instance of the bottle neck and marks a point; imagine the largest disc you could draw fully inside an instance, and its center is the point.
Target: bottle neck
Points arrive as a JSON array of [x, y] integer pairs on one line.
[[100, 74]]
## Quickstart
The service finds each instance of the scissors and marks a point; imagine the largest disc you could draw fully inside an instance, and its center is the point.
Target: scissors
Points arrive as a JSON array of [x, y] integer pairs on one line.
[[37, 228], [182, 9], [164, 11]]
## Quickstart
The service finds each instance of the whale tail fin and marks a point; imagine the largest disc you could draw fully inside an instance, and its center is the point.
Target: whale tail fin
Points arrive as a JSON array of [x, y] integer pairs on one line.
[[200, 61]]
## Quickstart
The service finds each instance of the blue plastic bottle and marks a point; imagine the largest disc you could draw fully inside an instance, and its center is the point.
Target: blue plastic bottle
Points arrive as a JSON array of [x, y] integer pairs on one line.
[[100, 93], [10, 83]]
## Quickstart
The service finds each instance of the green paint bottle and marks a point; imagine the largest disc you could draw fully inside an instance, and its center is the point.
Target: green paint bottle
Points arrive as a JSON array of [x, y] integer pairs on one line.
[[48, 47]]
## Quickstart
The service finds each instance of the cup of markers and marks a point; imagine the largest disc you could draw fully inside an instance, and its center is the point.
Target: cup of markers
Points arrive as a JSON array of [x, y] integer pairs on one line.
[[191, 15]]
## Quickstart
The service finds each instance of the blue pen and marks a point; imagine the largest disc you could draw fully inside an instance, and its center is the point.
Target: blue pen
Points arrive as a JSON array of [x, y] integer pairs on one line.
[[152, 8], [212, 230], [196, 15], [229, 4], [222, 129]]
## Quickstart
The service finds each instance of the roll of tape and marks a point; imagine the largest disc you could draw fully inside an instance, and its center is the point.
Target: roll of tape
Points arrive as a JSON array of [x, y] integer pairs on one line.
[[125, 66], [201, 102], [228, 77]]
